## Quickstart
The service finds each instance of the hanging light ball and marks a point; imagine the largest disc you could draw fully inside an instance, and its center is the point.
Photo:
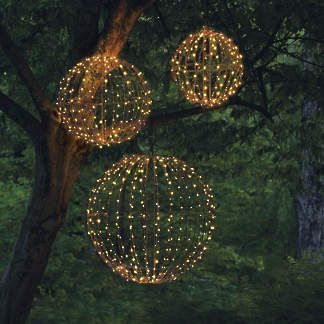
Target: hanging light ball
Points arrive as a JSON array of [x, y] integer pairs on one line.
[[208, 68], [104, 100], [150, 218]]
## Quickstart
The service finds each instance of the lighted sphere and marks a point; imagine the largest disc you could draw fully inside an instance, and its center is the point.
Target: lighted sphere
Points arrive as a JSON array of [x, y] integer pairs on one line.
[[104, 100], [208, 68], [150, 218]]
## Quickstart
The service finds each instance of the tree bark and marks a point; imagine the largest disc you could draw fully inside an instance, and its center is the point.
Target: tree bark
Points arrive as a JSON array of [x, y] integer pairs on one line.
[[58, 159], [310, 199]]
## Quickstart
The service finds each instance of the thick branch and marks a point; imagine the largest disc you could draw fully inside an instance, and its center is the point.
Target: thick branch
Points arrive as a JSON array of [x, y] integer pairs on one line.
[[120, 24], [23, 118], [162, 118], [24, 71]]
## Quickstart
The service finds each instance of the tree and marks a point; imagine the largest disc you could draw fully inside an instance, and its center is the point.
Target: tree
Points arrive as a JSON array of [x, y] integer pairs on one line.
[[59, 155], [58, 159], [309, 201]]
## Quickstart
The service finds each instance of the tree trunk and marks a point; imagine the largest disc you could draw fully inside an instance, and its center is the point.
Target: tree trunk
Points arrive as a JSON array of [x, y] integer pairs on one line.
[[310, 199], [58, 159]]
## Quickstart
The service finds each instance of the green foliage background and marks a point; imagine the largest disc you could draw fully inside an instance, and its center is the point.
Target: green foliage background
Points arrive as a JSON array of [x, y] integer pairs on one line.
[[249, 274]]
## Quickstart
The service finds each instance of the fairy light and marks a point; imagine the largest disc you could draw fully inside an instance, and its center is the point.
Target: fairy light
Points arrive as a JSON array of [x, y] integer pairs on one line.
[[104, 100], [208, 68], [150, 218]]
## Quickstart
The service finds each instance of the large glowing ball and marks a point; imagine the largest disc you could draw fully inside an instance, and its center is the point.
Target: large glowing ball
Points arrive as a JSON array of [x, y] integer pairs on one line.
[[208, 68], [150, 218], [104, 100]]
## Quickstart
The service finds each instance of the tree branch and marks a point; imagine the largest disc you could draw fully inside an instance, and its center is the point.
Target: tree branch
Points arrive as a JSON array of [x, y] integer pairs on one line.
[[298, 58], [23, 118], [301, 38], [162, 118], [24, 71], [255, 107]]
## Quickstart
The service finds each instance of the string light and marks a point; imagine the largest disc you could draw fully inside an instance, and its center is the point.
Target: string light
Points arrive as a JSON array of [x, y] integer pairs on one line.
[[208, 68], [150, 218], [104, 100]]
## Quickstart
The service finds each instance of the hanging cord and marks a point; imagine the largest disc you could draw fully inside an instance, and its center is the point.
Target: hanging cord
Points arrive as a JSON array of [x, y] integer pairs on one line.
[[152, 139]]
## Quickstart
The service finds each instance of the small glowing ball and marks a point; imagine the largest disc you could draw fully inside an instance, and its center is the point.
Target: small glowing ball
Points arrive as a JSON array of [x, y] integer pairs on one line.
[[150, 218], [104, 100], [208, 68]]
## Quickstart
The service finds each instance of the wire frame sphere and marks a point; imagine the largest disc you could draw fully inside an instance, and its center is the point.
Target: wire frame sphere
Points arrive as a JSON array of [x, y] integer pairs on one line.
[[104, 100], [208, 68], [150, 218]]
